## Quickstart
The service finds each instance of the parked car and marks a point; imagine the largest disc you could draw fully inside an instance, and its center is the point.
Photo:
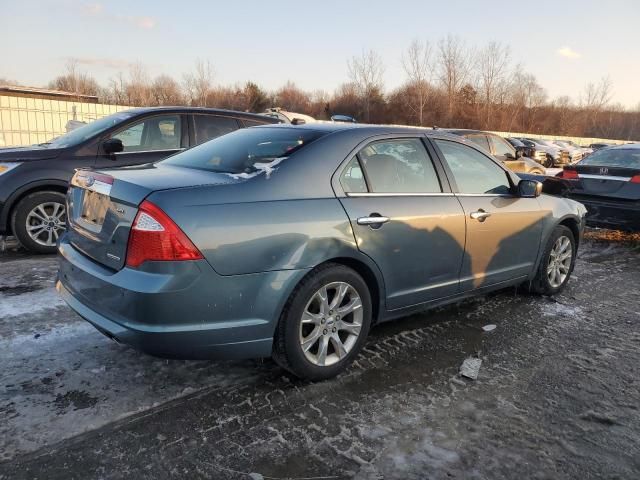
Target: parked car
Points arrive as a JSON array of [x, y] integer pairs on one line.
[[555, 156], [598, 146], [576, 153], [289, 117], [500, 149], [293, 241], [607, 182], [521, 149], [35, 178]]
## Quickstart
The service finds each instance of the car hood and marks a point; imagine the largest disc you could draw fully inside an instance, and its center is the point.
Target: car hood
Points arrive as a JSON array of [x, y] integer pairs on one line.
[[32, 152]]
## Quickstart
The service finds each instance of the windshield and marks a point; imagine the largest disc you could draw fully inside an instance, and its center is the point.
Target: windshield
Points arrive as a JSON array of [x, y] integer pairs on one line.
[[245, 151], [85, 132], [622, 158]]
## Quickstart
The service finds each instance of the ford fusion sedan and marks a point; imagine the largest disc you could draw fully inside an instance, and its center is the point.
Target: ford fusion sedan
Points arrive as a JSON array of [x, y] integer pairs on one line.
[[608, 183], [293, 241], [33, 180]]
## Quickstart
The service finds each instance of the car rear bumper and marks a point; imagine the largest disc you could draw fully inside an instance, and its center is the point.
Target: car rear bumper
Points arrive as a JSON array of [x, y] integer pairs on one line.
[[611, 214], [177, 309]]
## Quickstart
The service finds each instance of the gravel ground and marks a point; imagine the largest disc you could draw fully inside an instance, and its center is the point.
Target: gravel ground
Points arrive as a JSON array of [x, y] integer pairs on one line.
[[557, 395]]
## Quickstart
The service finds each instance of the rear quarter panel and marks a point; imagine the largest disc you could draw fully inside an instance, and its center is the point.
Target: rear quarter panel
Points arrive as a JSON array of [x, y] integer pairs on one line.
[[251, 237]]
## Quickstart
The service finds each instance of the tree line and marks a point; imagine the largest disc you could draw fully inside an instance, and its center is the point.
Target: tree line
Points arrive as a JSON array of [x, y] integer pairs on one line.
[[447, 83]]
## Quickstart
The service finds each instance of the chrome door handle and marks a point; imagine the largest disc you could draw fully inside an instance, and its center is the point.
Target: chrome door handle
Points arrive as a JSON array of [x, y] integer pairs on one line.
[[375, 220], [480, 215]]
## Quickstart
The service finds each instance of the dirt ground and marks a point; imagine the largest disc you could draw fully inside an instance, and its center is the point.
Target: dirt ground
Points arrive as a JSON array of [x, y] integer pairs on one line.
[[557, 396]]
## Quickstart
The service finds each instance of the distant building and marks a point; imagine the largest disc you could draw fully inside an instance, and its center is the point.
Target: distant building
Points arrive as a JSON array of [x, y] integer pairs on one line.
[[35, 115]]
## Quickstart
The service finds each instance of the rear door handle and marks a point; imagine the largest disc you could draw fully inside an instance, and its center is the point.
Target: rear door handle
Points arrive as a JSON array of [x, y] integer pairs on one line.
[[480, 215], [373, 220]]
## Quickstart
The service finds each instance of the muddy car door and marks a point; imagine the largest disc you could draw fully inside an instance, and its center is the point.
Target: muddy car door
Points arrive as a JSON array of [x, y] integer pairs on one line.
[[503, 229], [405, 217]]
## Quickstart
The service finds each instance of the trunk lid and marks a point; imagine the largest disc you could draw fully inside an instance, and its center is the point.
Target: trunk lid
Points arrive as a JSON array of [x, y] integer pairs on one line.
[[612, 182], [103, 205]]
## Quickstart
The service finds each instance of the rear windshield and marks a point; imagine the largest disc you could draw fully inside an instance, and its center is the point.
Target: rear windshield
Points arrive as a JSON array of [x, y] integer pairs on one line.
[[616, 157], [245, 151]]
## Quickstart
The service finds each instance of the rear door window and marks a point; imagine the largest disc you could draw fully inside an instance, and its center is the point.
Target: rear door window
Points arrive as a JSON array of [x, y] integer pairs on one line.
[[473, 172], [208, 127], [399, 166]]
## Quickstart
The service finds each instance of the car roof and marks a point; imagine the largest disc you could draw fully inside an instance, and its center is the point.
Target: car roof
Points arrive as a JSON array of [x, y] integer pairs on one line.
[[216, 111], [631, 146]]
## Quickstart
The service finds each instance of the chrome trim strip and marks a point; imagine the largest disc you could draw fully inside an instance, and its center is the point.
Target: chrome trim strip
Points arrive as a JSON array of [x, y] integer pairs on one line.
[[507, 195], [360, 194], [152, 151], [604, 177]]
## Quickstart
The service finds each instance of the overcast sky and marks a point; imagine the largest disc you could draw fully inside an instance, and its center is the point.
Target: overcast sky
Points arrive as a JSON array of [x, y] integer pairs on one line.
[[564, 43]]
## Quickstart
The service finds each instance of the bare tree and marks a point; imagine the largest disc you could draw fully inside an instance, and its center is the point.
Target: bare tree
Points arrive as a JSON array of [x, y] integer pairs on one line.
[[166, 91], [366, 72], [416, 62], [493, 68], [595, 100], [138, 89], [291, 98], [75, 81], [198, 85], [453, 65]]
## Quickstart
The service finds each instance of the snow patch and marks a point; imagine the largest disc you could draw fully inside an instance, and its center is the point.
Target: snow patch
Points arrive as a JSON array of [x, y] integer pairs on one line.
[[261, 167], [560, 309], [29, 303]]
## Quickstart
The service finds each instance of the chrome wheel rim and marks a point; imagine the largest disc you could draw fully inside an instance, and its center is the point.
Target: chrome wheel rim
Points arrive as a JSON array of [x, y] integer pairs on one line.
[[45, 222], [560, 259], [331, 324]]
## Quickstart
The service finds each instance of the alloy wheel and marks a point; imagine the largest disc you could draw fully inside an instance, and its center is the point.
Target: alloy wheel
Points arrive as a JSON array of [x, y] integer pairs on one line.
[[560, 259], [331, 323], [45, 222]]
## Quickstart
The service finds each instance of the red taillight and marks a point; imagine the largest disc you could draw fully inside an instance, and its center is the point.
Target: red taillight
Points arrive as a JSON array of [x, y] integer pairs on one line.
[[154, 236], [635, 179], [570, 174]]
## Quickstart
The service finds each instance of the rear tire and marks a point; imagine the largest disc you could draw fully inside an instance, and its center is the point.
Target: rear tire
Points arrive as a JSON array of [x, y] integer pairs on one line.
[[324, 324], [556, 264], [38, 220], [548, 163]]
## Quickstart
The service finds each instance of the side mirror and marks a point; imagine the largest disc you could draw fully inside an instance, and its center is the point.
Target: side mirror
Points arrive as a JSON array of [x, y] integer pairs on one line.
[[298, 121], [529, 188], [510, 156], [113, 145]]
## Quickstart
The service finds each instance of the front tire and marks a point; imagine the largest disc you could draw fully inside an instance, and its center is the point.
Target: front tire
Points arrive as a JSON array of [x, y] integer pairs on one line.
[[557, 263], [548, 163], [38, 220], [324, 324]]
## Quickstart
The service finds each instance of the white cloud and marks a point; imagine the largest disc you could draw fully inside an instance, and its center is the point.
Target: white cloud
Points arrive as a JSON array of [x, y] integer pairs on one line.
[[568, 52], [115, 63], [97, 9]]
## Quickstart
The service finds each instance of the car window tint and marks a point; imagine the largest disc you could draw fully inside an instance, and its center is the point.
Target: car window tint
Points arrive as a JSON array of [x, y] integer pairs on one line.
[[473, 171], [254, 123], [622, 158], [208, 127], [480, 140], [154, 133], [399, 166], [500, 147], [352, 178], [246, 151]]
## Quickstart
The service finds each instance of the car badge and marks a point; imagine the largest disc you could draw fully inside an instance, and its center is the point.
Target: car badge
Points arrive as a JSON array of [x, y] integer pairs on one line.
[[604, 171]]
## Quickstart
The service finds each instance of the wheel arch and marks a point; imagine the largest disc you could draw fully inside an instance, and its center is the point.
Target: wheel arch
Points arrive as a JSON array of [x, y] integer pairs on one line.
[[17, 196]]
